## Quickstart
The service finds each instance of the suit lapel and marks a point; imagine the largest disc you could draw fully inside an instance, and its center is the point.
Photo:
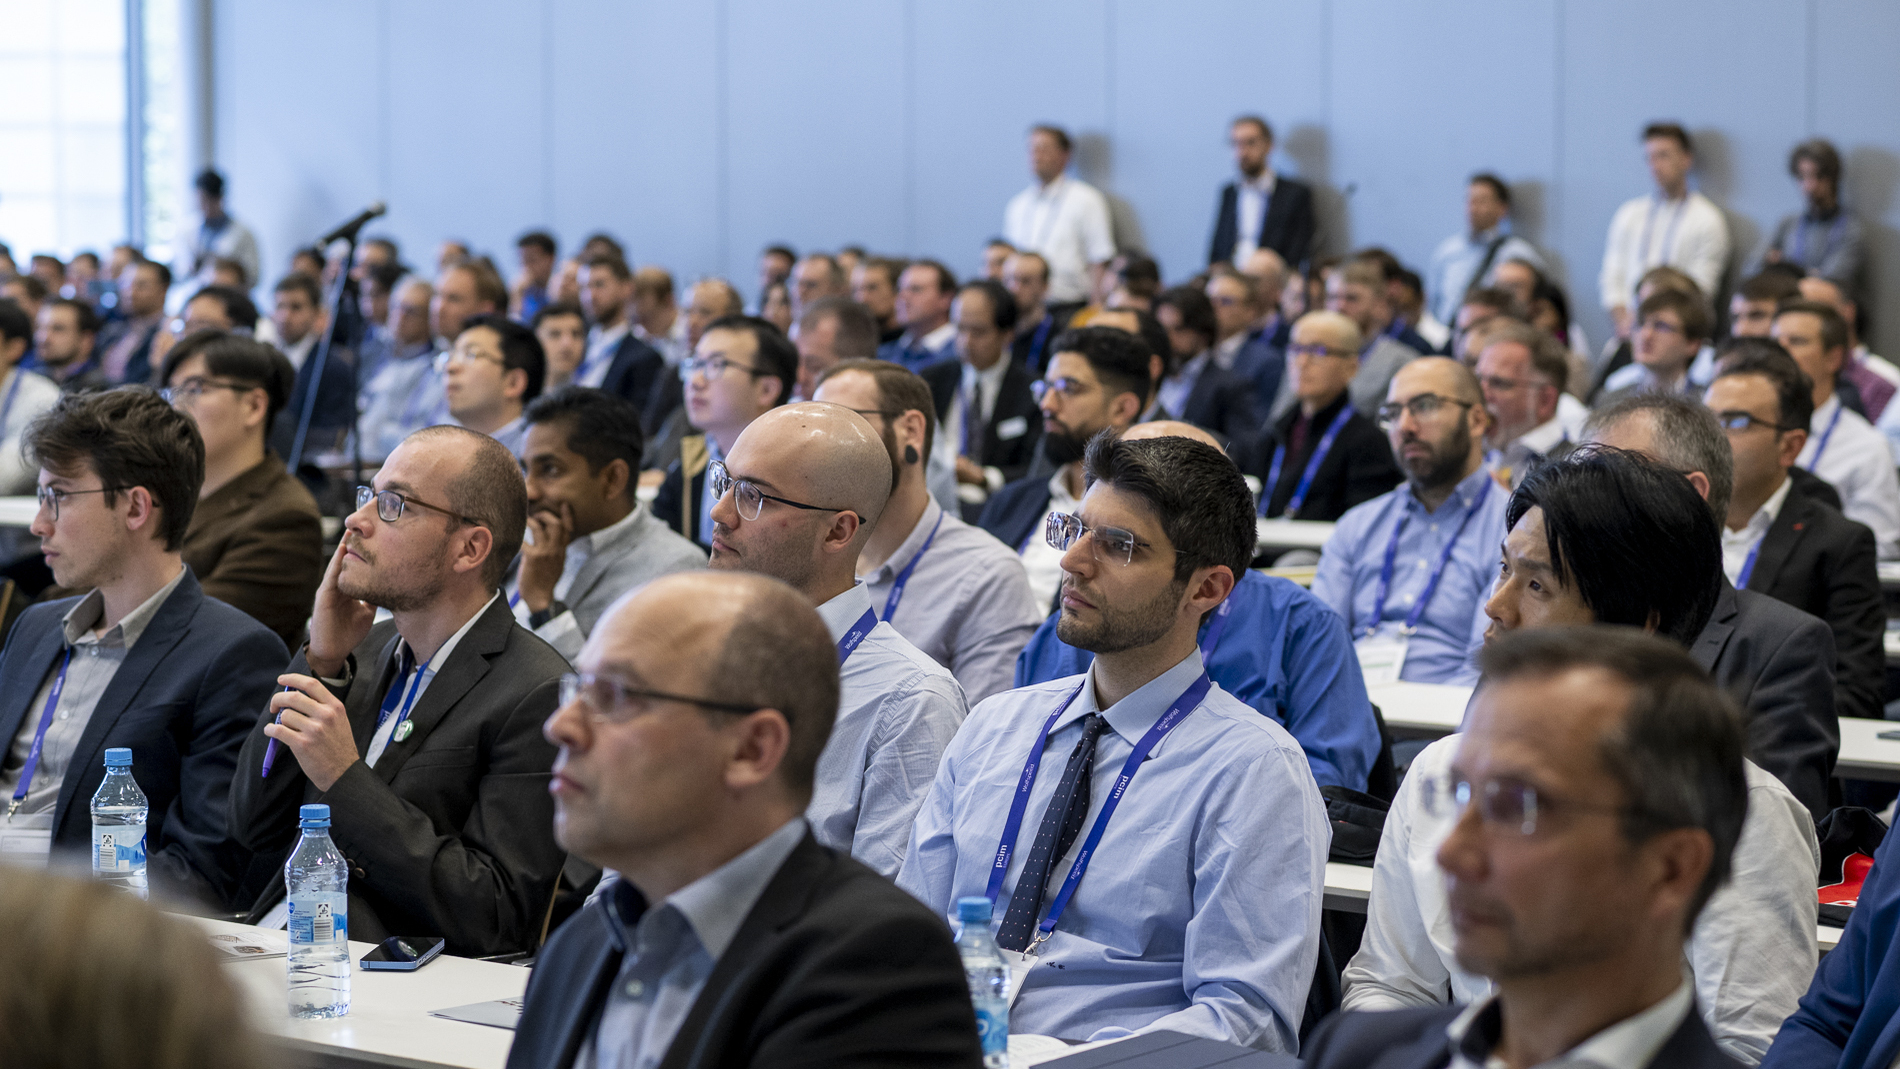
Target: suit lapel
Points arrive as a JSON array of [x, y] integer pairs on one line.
[[466, 666], [600, 556], [36, 662], [1779, 543], [1715, 634], [586, 985], [370, 703]]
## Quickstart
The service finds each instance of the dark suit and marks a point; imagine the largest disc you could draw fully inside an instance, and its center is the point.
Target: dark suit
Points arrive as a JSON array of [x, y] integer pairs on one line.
[[257, 541], [1415, 1039], [1013, 513], [1015, 411], [1822, 563], [677, 502], [335, 413], [1810, 485], [451, 833], [638, 373], [1029, 349], [1358, 467], [182, 700], [1287, 226], [834, 966], [1777, 662], [1223, 402]]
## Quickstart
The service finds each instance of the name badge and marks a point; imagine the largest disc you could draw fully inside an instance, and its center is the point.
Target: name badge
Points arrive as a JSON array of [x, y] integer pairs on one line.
[[26, 841], [1382, 656], [1019, 966], [1012, 429]]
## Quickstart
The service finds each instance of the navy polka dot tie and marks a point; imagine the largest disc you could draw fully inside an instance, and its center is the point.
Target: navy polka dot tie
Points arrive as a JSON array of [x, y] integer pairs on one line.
[[1061, 823]]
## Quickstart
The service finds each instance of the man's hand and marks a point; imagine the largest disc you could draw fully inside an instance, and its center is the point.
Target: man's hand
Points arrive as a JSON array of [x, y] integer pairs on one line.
[[314, 725], [544, 556], [969, 471], [338, 622], [1620, 316]]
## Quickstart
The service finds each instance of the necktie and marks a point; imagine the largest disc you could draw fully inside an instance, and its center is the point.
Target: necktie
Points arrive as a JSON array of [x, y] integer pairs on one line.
[[1061, 823], [972, 423]]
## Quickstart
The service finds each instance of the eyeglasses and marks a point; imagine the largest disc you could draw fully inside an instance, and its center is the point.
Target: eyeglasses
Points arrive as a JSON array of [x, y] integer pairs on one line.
[[1423, 407], [193, 388], [1064, 385], [50, 498], [1510, 805], [1661, 326], [616, 703], [1500, 384], [1315, 352], [457, 356], [1063, 530], [713, 367], [389, 506], [1741, 421], [748, 498]]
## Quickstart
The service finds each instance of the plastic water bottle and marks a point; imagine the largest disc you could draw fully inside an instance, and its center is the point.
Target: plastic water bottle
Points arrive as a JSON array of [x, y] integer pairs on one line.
[[119, 811], [988, 976], [316, 882]]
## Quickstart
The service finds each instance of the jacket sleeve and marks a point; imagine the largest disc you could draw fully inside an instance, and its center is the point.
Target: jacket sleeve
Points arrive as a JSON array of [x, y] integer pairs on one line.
[[1856, 615], [1792, 728], [261, 813], [270, 569], [666, 503], [1370, 470]]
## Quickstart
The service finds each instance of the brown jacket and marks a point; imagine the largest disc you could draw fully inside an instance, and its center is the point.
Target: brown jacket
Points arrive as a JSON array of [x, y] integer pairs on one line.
[[257, 545]]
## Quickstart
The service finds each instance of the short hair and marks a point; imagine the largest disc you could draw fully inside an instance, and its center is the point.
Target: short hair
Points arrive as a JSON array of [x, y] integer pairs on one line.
[[612, 264], [1549, 358], [1249, 285], [130, 437], [15, 324], [1195, 491], [1687, 438], [1770, 286], [1678, 753], [946, 281], [88, 256], [1630, 535], [604, 240], [1060, 135], [164, 273], [488, 284], [210, 183], [34, 285], [554, 310], [1139, 274], [1003, 310], [1486, 178], [1266, 130], [520, 350], [885, 265], [489, 492], [536, 239], [1662, 276], [857, 330], [733, 301], [1672, 131], [601, 427], [1690, 308], [780, 250], [388, 245], [387, 276], [1820, 152], [1765, 357], [1364, 271], [1498, 299], [653, 282], [899, 389], [238, 306], [999, 241], [86, 319], [1833, 324], [1031, 254], [777, 356], [1195, 310], [302, 282], [1119, 359], [246, 360]]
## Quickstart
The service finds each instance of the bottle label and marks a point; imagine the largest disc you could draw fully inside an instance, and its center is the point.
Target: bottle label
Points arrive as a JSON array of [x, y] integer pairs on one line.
[[319, 919], [992, 1027], [118, 848]]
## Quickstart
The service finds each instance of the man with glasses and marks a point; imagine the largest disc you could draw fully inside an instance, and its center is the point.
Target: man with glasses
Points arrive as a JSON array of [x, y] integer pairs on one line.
[[741, 368], [1594, 825], [1575, 557], [1523, 371], [399, 398], [689, 746], [1193, 902], [141, 659], [1843, 447], [1671, 325], [1408, 570], [495, 369], [1321, 457], [421, 733], [797, 499]]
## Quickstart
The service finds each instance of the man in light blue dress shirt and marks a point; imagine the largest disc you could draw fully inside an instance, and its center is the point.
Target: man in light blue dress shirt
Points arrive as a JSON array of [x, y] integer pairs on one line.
[[1466, 260], [1200, 911], [1409, 570]]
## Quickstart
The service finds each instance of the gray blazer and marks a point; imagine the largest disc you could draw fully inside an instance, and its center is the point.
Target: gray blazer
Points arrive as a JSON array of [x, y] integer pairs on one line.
[[640, 552]]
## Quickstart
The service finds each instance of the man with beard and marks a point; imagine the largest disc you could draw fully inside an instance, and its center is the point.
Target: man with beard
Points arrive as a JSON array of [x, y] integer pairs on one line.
[[1408, 571], [1100, 377], [1166, 929], [450, 690]]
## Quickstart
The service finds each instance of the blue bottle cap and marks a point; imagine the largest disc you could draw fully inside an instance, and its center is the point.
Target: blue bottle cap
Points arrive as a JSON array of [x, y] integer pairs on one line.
[[974, 910], [314, 816], [118, 757]]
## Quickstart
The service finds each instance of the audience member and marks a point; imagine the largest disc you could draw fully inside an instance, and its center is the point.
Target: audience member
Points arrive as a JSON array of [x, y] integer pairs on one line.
[[125, 346], [874, 285], [496, 368], [218, 235], [450, 684], [1481, 306], [1671, 327], [1269, 273], [1241, 342], [656, 315], [28, 292], [1824, 239], [561, 329], [1131, 280], [24, 396], [1198, 390], [1064, 220], [1357, 291], [400, 398], [924, 293], [465, 288], [775, 267], [1751, 311], [1524, 372], [1464, 262], [617, 361], [983, 399], [1262, 209], [536, 252], [832, 329], [815, 277], [1621, 349], [713, 299], [1152, 550], [1867, 382], [63, 345], [1401, 287], [1675, 226], [776, 306], [996, 253], [300, 320], [1844, 448], [1321, 457], [1026, 276]]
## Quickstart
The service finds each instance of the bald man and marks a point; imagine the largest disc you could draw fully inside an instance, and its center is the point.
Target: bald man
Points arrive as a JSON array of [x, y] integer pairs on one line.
[[797, 498], [1321, 456], [1409, 570], [1277, 648]]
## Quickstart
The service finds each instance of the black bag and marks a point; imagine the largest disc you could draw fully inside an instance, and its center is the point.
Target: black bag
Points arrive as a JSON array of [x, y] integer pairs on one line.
[[1358, 821], [1844, 833]]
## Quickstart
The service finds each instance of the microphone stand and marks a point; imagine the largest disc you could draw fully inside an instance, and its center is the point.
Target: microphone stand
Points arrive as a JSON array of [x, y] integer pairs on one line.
[[344, 286]]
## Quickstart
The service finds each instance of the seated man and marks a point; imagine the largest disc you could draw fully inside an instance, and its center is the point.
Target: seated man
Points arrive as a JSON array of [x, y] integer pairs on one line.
[[1523, 371], [925, 290], [797, 499], [982, 398], [1776, 661], [1845, 449], [63, 345], [1671, 326], [1409, 570], [1574, 556], [450, 690], [1270, 644], [1321, 457], [590, 540], [300, 319], [143, 659], [496, 368], [24, 396], [256, 537], [951, 589], [1588, 815], [688, 747], [617, 360], [1784, 543], [562, 331], [1200, 912], [1198, 390], [401, 395]]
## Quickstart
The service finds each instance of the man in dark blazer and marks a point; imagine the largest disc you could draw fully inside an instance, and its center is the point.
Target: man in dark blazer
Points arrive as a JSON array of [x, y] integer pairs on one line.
[[688, 749], [142, 660], [616, 360], [1199, 390], [1355, 461], [1284, 223], [984, 403], [422, 733], [1577, 916]]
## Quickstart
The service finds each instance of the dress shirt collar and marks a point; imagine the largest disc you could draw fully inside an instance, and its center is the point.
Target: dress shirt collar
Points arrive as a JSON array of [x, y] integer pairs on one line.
[[991, 377], [935, 340], [1134, 715], [597, 337], [1544, 437], [1261, 183], [846, 609], [1766, 515], [442, 655], [1052, 189], [300, 351], [908, 549], [1474, 1034], [1824, 412], [1462, 496], [1225, 352], [716, 904], [1190, 369], [607, 535], [83, 617]]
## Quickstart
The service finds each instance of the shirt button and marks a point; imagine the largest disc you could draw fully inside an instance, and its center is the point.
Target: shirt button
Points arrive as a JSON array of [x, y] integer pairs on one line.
[[635, 988]]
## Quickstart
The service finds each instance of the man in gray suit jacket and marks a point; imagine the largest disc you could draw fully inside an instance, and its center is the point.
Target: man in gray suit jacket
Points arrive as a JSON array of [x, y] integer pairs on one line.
[[421, 733], [590, 540]]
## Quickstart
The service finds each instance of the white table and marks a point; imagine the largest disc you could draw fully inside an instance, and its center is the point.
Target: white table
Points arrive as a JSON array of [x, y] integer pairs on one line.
[[1292, 534], [1866, 756], [1421, 709], [388, 1024], [18, 511]]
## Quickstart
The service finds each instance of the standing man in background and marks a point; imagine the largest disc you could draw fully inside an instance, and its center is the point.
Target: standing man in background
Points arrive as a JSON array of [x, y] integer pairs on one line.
[[1674, 226], [218, 235], [1062, 219], [1464, 262], [1262, 210]]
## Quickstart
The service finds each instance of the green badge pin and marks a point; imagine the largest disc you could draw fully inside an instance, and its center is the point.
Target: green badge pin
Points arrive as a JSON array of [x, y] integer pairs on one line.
[[403, 729]]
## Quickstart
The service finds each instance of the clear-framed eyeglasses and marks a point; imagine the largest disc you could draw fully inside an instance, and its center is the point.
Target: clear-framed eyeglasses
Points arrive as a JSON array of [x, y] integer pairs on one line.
[[747, 497], [1063, 530], [1509, 805]]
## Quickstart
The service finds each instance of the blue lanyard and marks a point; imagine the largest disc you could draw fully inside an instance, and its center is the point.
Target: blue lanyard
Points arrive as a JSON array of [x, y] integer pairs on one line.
[[855, 637], [593, 360], [1211, 637], [1185, 704], [1312, 468], [400, 699], [1669, 235], [1821, 446], [1431, 585], [1800, 242], [39, 735], [903, 577], [1748, 565]]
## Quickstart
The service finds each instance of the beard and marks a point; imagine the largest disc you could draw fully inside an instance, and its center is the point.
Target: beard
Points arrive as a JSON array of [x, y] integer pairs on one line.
[[386, 593], [1444, 463], [1123, 629], [1064, 447]]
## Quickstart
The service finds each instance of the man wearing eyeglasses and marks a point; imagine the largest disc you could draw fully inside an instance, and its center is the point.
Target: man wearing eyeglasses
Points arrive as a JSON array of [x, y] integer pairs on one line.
[[1155, 848], [742, 368], [1582, 830], [1843, 447], [495, 369], [798, 499], [1671, 326], [1321, 457], [1523, 371], [422, 733], [1408, 570]]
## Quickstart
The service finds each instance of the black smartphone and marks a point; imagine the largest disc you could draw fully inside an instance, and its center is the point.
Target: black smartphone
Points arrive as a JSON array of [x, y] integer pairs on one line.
[[1894, 735], [404, 953]]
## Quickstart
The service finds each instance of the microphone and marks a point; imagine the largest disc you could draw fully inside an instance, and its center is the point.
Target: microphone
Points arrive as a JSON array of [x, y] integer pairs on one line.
[[349, 229]]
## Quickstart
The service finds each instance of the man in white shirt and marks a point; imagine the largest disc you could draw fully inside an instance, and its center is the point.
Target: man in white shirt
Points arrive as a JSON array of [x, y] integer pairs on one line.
[[400, 397], [1675, 225], [495, 369], [656, 314], [1523, 372], [1463, 262], [1843, 448], [1064, 220], [218, 237]]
